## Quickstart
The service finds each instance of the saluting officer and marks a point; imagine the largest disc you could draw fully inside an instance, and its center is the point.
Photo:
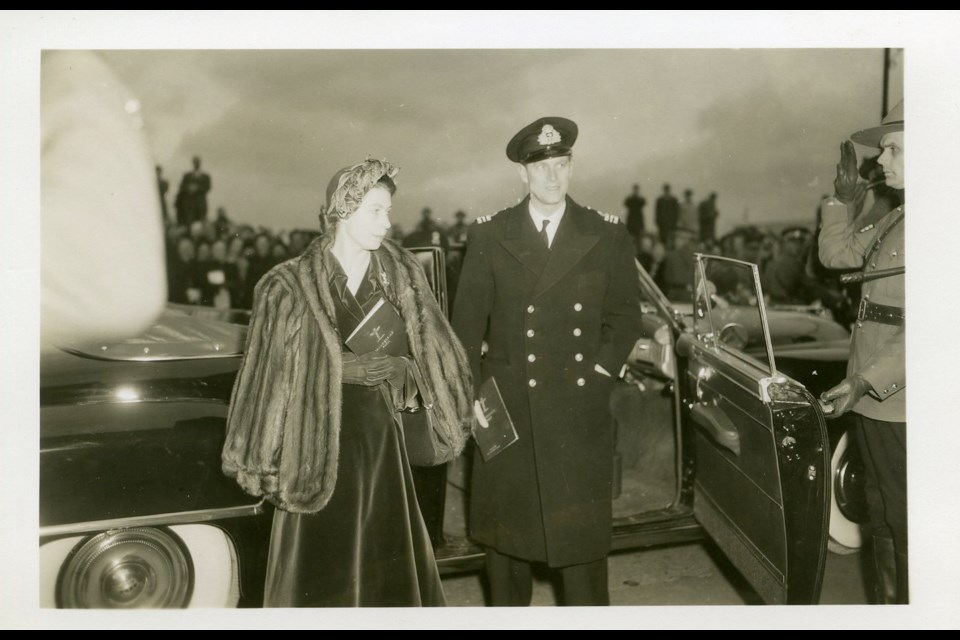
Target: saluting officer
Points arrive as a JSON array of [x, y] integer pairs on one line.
[[552, 289], [874, 388]]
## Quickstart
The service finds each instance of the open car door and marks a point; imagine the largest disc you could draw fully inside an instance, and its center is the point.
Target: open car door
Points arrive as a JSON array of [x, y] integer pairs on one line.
[[431, 482], [434, 266], [761, 487]]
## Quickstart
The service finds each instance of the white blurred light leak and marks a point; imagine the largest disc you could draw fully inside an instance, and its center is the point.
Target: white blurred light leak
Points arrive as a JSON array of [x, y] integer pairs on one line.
[[127, 394]]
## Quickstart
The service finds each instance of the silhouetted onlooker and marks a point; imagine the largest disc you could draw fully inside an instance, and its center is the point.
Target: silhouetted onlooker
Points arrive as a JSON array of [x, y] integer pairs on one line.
[[784, 277], [458, 232], [298, 242], [192, 197], [181, 274], [708, 218], [634, 205], [239, 264], [668, 209], [195, 231], [278, 252], [203, 252], [221, 224], [427, 234], [687, 217], [218, 278], [260, 263], [678, 267]]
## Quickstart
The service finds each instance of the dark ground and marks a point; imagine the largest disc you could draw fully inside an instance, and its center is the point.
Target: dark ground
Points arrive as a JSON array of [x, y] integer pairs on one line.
[[691, 574]]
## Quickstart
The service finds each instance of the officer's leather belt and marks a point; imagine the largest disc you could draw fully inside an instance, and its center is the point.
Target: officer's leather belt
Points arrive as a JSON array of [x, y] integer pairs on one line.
[[882, 313]]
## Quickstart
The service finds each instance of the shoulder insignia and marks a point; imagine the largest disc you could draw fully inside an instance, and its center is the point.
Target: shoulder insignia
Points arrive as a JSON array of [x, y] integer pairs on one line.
[[607, 217], [482, 219]]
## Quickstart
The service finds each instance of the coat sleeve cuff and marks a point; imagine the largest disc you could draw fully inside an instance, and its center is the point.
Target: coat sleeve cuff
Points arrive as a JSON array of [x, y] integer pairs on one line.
[[885, 383]]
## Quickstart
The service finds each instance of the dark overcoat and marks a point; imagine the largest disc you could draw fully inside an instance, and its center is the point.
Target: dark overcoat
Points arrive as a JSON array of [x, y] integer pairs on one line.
[[548, 317]]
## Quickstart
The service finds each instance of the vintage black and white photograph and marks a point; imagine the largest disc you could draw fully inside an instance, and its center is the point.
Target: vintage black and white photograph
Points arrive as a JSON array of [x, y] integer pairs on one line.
[[405, 324]]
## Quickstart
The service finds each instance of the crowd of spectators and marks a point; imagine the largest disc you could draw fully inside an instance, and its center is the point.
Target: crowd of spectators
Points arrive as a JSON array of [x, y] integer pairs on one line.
[[790, 271], [217, 263]]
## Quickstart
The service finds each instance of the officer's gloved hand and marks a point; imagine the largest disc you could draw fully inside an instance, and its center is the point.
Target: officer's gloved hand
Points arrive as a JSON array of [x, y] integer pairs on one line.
[[372, 368], [846, 394], [845, 184]]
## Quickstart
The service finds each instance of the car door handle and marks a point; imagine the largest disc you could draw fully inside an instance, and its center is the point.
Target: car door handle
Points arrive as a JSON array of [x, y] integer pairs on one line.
[[718, 425]]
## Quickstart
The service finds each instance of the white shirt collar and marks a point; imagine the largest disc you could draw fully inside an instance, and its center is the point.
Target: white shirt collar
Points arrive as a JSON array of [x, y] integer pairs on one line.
[[538, 219]]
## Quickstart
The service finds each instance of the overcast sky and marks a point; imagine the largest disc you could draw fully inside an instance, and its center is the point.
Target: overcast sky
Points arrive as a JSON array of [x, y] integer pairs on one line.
[[761, 127]]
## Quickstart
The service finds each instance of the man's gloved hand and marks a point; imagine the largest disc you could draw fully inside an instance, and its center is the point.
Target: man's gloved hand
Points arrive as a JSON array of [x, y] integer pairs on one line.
[[845, 184], [845, 395], [372, 368]]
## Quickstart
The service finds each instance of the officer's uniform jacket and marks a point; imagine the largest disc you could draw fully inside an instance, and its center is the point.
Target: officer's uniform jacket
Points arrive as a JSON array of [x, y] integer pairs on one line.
[[548, 317], [877, 348]]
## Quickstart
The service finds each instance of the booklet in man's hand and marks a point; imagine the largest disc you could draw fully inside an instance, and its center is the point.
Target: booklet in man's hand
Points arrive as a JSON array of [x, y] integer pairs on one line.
[[382, 329], [493, 429]]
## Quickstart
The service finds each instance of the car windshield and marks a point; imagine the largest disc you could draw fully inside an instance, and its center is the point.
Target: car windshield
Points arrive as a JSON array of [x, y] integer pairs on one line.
[[728, 310]]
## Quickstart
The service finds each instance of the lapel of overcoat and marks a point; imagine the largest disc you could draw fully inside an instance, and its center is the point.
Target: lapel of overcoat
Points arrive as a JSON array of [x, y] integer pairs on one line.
[[573, 240], [521, 240]]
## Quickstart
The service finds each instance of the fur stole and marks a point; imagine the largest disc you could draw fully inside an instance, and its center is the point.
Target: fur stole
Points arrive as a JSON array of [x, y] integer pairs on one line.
[[283, 425]]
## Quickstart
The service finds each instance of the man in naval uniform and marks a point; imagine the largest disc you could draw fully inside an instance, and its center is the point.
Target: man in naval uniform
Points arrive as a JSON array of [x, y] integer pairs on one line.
[[551, 287], [874, 389]]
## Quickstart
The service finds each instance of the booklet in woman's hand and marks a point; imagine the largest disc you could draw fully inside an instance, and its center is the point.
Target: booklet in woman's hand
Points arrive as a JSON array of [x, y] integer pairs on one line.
[[382, 329], [493, 429]]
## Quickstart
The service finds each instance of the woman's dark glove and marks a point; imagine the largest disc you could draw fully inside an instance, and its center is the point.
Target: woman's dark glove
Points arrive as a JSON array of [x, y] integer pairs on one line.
[[372, 368]]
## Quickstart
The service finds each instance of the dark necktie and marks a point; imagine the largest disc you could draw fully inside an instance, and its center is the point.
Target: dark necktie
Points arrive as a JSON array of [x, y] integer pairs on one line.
[[543, 234]]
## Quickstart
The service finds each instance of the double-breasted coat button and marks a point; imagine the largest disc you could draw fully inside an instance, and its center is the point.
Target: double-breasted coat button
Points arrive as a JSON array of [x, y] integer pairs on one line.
[[530, 309], [577, 332], [531, 358], [532, 382], [577, 307], [530, 333], [578, 357], [581, 382]]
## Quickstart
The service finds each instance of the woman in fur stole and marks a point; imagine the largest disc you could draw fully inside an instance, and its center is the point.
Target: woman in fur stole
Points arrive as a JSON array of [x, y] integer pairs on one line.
[[318, 430]]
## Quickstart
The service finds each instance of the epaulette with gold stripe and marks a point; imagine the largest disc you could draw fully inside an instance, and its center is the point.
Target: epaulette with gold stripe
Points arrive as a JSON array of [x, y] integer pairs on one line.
[[488, 218], [607, 217]]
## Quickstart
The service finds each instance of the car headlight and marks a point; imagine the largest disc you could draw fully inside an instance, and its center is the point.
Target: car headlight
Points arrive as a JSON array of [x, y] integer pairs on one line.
[[127, 569]]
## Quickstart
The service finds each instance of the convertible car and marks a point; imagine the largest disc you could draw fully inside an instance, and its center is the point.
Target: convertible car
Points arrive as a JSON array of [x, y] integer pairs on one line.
[[714, 439]]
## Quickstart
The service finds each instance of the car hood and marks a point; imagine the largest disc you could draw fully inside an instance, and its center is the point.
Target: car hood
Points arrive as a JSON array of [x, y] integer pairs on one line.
[[180, 361], [790, 329]]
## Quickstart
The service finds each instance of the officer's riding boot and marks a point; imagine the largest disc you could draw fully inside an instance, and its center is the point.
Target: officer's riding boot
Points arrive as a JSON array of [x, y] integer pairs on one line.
[[903, 579], [885, 571]]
